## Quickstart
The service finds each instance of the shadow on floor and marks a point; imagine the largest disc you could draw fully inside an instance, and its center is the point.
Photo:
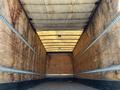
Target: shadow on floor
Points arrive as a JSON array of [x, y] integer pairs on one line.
[[55, 85], [99, 84]]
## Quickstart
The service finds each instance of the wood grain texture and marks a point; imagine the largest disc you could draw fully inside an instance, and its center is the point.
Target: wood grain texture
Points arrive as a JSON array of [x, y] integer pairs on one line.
[[15, 53], [105, 52], [59, 63]]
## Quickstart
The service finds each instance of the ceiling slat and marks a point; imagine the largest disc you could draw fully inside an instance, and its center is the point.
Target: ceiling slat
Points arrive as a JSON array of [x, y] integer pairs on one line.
[[58, 42], [57, 37], [67, 44], [60, 46], [59, 2], [59, 49], [63, 32], [60, 16]]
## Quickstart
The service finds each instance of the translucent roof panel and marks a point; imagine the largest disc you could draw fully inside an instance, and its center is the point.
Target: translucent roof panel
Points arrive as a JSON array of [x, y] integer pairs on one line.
[[59, 23]]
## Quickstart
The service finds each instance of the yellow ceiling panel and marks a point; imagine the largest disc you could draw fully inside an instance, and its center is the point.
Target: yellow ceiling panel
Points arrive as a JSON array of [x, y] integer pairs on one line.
[[60, 44], [59, 41], [60, 47], [59, 37], [54, 32], [59, 50]]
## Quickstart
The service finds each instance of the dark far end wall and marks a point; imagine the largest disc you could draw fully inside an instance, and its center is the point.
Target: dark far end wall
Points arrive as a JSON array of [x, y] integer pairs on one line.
[[59, 65]]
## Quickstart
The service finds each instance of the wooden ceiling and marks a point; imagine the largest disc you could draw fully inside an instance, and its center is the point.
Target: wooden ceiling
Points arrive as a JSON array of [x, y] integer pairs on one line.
[[59, 23]]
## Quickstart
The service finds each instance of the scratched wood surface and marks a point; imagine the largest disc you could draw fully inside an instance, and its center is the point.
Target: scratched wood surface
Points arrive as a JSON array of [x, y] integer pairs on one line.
[[13, 52], [105, 52]]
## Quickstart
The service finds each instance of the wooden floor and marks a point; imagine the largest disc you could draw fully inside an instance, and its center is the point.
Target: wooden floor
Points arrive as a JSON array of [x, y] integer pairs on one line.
[[61, 86]]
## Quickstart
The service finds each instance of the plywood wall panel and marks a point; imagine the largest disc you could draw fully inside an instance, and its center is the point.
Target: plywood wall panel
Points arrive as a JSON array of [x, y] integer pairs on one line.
[[105, 52], [59, 63], [13, 52]]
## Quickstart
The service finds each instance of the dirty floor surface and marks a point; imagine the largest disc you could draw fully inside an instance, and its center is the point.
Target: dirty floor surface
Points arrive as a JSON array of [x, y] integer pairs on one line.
[[61, 86]]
